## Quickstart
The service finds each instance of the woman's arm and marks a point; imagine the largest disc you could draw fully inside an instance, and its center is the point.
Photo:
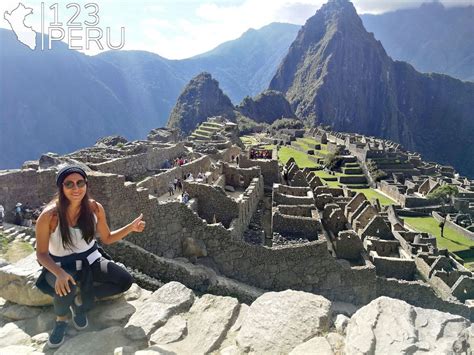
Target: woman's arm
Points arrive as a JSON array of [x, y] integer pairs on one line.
[[108, 237], [61, 286]]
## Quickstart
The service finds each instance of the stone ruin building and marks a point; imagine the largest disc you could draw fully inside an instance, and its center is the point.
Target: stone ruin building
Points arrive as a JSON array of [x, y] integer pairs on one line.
[[254, 225]]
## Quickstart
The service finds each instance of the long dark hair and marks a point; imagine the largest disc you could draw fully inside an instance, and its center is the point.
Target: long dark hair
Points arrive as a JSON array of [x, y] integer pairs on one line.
[[85, 222]]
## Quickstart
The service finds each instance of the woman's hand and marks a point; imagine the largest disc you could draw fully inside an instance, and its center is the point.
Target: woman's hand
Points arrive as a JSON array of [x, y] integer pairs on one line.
[[61, 285], [138, 225]]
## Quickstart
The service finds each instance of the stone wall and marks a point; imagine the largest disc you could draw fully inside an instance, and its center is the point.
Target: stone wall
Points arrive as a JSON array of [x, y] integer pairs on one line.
[[415, 202], [268, 168], [234, 214], [291, 190], [353, 179], [26, 186], [136, 166], [283, 199], [158, 184], [197, 277], [238, 177], [295, 226], [229, 152], [390, 189], [292, 210], [247, 207], [289, 195], [213, 202], [419, 294], [398, 268]]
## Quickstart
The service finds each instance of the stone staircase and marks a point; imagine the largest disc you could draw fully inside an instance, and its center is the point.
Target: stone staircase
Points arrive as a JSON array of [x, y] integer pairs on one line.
[[13, 232], [354, 175], [206, 130]]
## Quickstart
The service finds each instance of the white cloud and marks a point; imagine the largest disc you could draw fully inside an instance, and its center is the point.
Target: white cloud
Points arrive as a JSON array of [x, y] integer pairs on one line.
[[203, 25]]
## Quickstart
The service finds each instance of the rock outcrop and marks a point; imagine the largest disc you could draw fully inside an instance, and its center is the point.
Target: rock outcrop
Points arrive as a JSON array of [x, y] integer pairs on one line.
[[200, 99], [337, 73], [111, 141]]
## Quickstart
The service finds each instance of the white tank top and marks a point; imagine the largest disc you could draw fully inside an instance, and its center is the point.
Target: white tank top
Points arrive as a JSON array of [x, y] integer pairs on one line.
[[78, 244]]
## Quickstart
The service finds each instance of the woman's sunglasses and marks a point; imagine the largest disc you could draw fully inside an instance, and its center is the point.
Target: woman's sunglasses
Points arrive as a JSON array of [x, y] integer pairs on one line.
[[70, 184]]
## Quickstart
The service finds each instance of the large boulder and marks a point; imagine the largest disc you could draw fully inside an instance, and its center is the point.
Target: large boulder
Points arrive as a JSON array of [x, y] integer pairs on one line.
[[17, 283], [279, 321], [209, 319], [161, 305], [391, 326]]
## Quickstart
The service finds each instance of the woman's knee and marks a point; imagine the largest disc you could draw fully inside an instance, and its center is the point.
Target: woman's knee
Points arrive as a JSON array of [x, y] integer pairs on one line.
[[121, 277], [126, 281], [69, 295], [62, 303]]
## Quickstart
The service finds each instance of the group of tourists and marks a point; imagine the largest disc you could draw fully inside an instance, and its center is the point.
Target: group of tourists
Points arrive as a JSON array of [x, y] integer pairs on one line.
[[260, 154], [175, 185], [22, 215]]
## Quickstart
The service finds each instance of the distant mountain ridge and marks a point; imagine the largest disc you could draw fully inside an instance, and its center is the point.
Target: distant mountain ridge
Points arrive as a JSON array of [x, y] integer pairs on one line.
[[337, 73], [431, 37], [61, 100]]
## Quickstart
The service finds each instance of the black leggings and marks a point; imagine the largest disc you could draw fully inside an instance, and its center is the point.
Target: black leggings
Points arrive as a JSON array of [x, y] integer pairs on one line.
[[109, 279]]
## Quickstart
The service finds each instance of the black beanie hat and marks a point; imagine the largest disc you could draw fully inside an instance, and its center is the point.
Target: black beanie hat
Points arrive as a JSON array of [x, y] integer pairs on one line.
[[68, 170]]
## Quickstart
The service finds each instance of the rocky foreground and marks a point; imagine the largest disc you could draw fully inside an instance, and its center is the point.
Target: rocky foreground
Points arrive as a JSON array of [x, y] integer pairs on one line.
[[175, 320]]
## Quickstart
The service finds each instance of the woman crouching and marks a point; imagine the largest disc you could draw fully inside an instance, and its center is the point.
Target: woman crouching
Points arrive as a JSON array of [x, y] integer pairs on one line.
[[67, 249]]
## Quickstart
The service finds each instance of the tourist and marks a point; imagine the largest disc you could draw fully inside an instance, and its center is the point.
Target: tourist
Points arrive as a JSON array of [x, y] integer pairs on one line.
[[179, 185], [441, 226], [67, 249], [190, 177], [27, 216], [18, 212], [2, 214], [200, 176], [237, 160], [175, 183], [171, 188], [185, 197]]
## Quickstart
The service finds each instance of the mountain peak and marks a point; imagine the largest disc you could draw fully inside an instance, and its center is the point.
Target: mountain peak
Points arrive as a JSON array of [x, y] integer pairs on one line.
[[200, 99], [330, 40]]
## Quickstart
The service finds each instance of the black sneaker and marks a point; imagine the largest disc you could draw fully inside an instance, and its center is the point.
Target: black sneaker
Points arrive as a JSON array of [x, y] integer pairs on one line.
[[56, 339], [79, 317]]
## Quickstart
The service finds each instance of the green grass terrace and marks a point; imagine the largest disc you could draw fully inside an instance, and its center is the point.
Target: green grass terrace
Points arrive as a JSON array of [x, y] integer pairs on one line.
[[309, 144], [452, 240], [306, 161]]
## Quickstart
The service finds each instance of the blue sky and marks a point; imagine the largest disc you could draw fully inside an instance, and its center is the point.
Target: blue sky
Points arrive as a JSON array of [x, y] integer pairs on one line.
[[183, 28]]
